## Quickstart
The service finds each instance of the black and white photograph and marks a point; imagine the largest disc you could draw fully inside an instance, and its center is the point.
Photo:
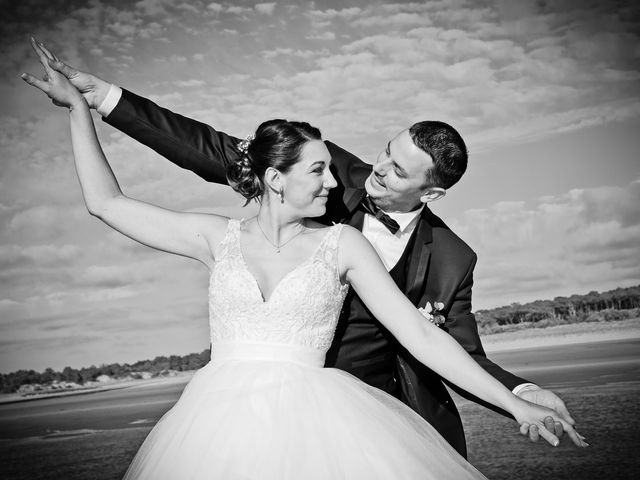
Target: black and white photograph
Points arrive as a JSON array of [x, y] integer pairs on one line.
[[248, 240]]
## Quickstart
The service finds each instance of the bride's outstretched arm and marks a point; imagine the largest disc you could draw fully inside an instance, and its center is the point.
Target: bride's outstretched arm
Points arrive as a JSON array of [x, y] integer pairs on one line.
[[363, 269], [187, 234]]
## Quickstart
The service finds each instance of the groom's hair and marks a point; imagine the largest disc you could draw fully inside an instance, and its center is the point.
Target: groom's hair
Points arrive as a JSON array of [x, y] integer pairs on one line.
[[446, 148]]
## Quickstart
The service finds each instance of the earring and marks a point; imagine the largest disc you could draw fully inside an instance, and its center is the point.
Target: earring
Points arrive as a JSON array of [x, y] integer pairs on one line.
[[281, 195]]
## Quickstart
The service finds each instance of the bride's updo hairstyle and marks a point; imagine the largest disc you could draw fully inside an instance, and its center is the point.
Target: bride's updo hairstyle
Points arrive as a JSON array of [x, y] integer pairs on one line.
[[277, 144]]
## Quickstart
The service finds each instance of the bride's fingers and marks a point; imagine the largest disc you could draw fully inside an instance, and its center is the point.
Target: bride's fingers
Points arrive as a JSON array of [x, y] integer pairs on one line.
[[559, 429], [48, 53], [64, 69], [548, 436], [44, 60], [534, 433], [553, 426], [575, 437], [31, 80], [524, 429], [549, 424]]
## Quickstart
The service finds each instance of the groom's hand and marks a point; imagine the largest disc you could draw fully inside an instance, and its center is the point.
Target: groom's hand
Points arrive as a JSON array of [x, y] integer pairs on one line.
[[93, 89], [547, 398]]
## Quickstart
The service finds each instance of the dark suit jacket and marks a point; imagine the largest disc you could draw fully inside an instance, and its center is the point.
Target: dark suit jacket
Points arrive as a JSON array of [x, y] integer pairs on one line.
[[439, 269]]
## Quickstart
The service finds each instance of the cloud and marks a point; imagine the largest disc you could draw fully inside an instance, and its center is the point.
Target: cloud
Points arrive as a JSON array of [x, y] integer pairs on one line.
[[332, 14], [215, 7], [582, 240], [291, 52], [122, 29], [51, 254], [526, 130], [188, 8], [398, 20], [265, 8], [43, 221], [322, 36], [237, 10], [109, 276], [154, 7], [150, 30], [190, 83]]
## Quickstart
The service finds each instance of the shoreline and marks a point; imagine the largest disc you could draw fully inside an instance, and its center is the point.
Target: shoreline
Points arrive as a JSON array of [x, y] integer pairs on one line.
[[7, 398], [529, 338]]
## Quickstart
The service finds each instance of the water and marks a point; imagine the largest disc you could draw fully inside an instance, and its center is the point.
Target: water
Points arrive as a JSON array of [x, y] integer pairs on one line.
[[95, 436]]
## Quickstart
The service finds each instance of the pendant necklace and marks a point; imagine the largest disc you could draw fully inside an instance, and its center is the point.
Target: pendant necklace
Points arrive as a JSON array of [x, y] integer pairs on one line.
[[279, 245]]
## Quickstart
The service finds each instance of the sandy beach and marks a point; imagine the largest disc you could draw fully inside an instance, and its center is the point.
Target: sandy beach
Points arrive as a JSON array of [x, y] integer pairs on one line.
[[562, 335]]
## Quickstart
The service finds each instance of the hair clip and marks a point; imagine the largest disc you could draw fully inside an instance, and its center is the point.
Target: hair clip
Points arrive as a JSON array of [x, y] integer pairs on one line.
[[243, 145]]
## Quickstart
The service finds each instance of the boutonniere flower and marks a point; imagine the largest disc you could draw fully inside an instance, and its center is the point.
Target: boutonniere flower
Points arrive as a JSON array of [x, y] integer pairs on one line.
[[431, 312]]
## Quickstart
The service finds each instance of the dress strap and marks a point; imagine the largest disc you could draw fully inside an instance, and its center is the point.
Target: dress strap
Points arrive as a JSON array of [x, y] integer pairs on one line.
[[328, 248], [229, 245]]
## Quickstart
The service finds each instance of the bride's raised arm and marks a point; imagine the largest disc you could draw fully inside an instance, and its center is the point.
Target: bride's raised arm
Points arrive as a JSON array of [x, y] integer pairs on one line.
[[363, 269], [187, 234]]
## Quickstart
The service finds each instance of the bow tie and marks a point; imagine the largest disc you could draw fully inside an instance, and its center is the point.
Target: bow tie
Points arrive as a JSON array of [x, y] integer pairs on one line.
[[371, 208]]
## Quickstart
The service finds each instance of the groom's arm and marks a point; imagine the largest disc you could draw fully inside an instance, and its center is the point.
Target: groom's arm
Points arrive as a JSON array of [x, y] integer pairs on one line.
[[186, 142], [199, 147]]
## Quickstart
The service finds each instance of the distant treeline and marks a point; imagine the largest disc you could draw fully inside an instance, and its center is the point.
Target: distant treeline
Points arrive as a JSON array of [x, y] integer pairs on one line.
[[618, 304], [10, 382]]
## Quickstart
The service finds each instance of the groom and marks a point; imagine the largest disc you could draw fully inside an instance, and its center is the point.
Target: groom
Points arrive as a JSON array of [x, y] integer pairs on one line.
[[388, 203]]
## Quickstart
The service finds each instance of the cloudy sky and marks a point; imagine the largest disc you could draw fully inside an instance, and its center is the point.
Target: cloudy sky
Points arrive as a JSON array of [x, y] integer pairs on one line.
[[546, 94]]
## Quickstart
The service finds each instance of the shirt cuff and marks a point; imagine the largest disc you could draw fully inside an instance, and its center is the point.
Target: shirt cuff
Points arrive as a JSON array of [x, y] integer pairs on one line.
[[110, 101], [522, 387]]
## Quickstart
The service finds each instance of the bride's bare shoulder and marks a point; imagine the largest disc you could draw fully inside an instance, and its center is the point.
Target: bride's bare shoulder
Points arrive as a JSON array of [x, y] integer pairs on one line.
[[215, 228], [320, 228], [353, 242], [351, 234]]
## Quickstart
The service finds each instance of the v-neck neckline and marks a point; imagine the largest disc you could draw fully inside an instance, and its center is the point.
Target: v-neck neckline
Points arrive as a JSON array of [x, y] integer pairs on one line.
[[259, 289]]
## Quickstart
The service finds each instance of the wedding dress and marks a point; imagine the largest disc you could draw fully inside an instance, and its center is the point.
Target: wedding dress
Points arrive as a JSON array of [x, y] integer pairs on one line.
[[265, 408]]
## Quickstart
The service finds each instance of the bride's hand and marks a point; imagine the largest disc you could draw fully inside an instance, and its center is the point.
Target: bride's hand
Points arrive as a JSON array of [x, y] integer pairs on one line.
[[537, 421], [61, 92]]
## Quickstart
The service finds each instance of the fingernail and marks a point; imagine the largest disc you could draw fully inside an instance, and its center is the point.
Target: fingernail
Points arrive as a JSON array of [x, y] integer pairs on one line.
[[556, 443]]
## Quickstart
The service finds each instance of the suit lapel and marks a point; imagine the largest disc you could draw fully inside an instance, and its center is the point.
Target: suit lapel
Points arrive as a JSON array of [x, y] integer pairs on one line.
[[420, 245], [352, 198], [418, 261]]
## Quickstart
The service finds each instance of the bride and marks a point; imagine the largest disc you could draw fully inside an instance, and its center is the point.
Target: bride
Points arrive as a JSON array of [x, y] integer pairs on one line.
[[264, 407]]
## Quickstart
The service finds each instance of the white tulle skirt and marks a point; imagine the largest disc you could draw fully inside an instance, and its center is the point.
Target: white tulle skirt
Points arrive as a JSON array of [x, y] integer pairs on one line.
[[272, 412]]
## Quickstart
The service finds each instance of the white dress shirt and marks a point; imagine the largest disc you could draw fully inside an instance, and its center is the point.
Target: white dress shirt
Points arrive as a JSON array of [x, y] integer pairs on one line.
[[110, 101], [390, 246]]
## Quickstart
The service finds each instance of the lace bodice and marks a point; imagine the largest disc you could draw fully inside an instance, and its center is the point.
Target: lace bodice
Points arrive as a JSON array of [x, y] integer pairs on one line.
[[302, 310]]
